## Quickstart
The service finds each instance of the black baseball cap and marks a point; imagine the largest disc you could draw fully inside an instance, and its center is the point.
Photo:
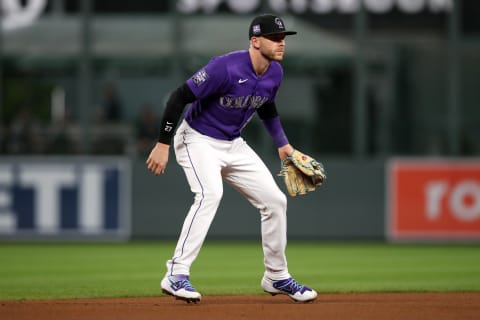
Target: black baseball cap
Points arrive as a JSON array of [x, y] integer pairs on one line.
[[267, 24]]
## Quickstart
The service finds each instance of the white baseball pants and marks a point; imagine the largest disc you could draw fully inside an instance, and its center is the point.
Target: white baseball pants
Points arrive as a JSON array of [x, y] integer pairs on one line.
[[206, 162]]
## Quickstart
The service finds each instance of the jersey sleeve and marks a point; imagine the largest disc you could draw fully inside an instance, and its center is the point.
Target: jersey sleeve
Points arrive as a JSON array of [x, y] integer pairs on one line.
[[209, 80]]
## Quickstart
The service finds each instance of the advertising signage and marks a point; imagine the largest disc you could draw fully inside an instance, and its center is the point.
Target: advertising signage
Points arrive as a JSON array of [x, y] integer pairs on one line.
[[317, 6], [64, 198], [337, 14], [397, 14], [433, 200]]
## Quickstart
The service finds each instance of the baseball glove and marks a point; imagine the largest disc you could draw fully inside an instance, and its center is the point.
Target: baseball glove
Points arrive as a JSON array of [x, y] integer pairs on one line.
[[302, 173]]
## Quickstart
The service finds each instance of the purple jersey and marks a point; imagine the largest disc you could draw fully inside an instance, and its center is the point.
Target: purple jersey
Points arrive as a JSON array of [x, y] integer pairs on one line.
[[228, 93]]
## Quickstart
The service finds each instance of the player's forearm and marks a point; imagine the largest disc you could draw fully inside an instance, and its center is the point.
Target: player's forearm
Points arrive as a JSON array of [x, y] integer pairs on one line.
[[173, 111], [275, 129], [269, 115]]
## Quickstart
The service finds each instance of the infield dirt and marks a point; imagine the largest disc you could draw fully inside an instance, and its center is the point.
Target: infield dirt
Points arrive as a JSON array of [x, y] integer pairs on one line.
[[391, 306]]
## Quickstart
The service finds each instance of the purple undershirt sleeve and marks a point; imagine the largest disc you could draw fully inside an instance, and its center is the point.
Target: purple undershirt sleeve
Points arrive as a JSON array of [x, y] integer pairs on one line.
[[275, 129]]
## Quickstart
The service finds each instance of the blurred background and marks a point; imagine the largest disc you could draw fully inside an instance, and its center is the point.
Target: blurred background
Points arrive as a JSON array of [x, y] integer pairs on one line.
[[365, 82]]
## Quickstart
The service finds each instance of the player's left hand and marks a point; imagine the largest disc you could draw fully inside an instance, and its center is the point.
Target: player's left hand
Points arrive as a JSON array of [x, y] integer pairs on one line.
[[158, 158]]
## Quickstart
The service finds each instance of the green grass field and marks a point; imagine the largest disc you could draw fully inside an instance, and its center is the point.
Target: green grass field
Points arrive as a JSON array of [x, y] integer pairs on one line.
[[49, 270]]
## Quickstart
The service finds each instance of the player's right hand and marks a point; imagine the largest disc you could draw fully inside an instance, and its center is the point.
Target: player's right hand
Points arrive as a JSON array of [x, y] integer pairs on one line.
[[158, 158]]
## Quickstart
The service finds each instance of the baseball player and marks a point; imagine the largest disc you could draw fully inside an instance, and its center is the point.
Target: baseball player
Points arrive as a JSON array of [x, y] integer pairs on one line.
[[224, 95]]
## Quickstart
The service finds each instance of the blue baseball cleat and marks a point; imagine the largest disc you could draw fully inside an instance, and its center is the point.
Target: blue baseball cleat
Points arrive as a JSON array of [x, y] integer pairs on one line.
[[180, 287], [289, 287]]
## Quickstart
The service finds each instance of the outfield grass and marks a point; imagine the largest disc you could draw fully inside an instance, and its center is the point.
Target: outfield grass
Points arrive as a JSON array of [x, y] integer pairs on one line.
[[47, 270]]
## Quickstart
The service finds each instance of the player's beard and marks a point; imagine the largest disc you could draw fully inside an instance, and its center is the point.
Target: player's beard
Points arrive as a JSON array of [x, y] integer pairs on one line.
[[273, 55]]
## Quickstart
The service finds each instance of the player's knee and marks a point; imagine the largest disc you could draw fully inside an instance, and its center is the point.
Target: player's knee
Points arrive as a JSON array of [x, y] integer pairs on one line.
[[278, 201], [212, 196]]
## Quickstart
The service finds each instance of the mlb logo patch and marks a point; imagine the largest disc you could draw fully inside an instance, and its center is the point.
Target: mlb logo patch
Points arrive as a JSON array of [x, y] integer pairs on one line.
[[256, 29], [200, 77]]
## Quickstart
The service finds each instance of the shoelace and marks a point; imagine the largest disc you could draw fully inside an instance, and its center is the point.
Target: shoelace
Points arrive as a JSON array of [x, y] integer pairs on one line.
[[185, 284], [292, 287]]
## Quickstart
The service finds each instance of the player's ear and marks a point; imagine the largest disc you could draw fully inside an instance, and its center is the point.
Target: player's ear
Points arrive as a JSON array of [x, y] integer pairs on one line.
[[255, 42]]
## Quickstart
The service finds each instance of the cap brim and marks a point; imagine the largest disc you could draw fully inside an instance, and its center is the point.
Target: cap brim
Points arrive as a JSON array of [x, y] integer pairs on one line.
[[287, 33]]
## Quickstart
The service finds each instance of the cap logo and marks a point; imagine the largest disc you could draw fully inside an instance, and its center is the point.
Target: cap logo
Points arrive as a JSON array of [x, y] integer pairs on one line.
[[256, 29], [279, 23]]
